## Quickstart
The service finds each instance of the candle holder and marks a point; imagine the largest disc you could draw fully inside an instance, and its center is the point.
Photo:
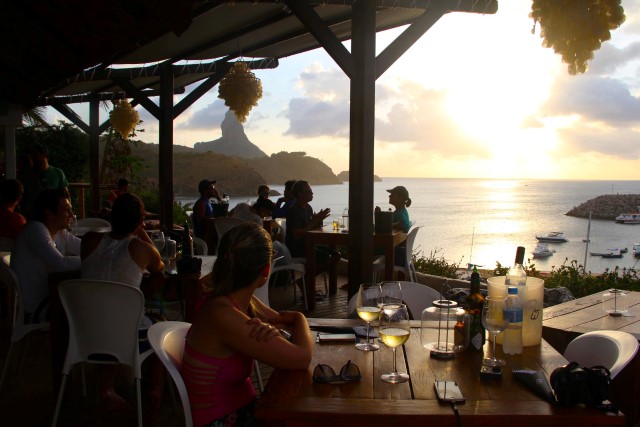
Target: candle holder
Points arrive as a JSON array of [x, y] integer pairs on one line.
[[614, 302]]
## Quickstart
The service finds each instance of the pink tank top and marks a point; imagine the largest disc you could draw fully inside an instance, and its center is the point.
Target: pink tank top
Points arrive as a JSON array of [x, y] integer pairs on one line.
[[216, 386]]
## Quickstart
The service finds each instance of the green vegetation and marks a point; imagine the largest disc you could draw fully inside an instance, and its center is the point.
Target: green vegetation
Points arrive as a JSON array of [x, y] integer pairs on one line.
[[435, 265]]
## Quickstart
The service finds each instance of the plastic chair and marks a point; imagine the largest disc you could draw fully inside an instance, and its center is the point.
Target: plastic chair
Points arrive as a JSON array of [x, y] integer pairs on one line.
[[20, 329], [200, 246], [167, 341], [103, 328], [416, 296], [93, 223], [408, 268], [224, 224], [611, 349], [296, 266], [262, 293]]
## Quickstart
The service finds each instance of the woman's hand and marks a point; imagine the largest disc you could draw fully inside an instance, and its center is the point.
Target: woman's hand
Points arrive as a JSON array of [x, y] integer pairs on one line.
[[262, 331]]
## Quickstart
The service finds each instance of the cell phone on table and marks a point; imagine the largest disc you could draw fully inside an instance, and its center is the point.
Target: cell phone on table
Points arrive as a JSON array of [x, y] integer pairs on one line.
[[448, 391]]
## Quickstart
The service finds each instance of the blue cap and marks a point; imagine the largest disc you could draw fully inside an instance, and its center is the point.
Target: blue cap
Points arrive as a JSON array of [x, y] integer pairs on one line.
[[513, 290]]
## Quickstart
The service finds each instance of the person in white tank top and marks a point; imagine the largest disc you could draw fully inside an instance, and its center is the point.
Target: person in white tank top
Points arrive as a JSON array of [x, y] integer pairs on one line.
[[122, 256]]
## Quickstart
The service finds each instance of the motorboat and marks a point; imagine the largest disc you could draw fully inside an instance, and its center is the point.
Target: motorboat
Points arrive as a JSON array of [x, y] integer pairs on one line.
[[552, 237], [542, 251], [609, 253], [636, 250], [629, 218]]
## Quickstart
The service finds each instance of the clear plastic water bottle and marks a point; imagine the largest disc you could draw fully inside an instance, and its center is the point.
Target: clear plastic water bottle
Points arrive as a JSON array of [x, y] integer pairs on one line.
[[512, 341], [345, 218]]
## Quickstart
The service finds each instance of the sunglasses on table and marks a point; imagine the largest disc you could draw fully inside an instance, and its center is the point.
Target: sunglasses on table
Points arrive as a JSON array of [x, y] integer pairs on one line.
[[325, 374]]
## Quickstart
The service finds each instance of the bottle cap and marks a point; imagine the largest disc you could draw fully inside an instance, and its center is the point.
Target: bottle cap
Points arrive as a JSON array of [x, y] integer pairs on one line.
[[520, 255], [513, 290]]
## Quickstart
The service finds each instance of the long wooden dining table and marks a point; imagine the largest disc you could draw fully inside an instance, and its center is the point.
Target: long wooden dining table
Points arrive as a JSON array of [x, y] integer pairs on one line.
[[291, 398], [564, 322], [330, 237]]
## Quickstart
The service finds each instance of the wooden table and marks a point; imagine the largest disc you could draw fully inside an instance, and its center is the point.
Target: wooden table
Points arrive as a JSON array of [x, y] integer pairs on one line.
[[327, 236], [291, 398], [564, 322], [191, 287]]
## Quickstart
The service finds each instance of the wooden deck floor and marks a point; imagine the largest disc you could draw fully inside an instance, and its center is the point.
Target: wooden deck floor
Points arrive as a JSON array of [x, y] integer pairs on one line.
[[27, 398]]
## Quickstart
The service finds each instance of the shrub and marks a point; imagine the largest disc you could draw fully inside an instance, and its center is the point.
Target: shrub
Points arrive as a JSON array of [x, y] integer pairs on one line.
[[437, 266]]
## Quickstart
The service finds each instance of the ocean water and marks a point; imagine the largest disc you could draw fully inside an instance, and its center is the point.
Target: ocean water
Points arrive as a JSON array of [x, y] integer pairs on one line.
[[497, 216]]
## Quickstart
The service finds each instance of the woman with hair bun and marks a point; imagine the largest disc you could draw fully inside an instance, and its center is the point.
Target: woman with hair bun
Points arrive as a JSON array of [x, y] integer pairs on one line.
[[232, 328]]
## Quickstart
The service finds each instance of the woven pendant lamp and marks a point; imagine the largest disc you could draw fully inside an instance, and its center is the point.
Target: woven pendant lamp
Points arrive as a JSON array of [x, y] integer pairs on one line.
[[240, 89], [124, 118]]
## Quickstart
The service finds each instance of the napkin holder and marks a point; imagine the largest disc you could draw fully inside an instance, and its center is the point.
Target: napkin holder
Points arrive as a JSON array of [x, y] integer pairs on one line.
[[384, 222]]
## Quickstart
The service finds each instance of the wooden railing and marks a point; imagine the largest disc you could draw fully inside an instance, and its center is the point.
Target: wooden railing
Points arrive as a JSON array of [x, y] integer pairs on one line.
[[79, 188]]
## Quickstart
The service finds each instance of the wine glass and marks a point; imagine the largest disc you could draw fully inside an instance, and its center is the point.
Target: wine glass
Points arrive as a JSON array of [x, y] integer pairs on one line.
[[494, 321], [394, 331], [391, 293], [157, 237], [368, 304]]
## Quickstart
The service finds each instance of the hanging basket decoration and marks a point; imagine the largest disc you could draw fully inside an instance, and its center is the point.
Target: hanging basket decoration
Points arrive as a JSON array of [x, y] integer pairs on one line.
[[124, 118], [576, 29], [240, 89]]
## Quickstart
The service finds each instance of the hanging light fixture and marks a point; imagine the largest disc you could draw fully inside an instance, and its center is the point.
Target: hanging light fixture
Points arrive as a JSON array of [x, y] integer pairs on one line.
[[123, 118], [240, 89]]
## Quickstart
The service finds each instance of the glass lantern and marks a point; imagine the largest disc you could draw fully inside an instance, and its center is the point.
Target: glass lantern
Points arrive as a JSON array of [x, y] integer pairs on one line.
[[614, 302], [444, 329]]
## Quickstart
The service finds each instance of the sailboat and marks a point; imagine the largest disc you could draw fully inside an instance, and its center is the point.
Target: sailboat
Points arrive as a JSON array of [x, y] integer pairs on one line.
[[470, 265]]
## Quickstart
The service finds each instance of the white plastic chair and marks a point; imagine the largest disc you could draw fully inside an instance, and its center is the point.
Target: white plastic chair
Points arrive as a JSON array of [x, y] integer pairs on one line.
[[167, 341], [611, 349], [224, 224], [200, 246], [103, 320], [416, 296], [93, 223], [408, 268], [296, 266], [20, 329]]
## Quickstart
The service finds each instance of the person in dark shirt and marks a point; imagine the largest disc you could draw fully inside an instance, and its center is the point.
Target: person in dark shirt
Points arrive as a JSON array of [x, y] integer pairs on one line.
[[301, 219], [286, 201]]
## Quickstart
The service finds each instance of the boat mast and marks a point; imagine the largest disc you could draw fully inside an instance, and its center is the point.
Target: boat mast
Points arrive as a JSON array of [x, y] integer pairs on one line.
[[469, 264], [586, 248]]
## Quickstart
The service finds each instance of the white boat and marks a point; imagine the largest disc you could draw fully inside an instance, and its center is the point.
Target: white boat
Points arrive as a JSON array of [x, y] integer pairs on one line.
[[552, 237], [629, 218], [542, 251], [609, 253], [636, 250]]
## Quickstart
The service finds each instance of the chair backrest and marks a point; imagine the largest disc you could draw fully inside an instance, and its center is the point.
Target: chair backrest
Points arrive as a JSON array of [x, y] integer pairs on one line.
[[611, 349], [103, 320], [411, 238], [262, 293], [224, 224], [6, 244], [93, 222], [167, 341], [416, 296], [20, 329], [200, 246]]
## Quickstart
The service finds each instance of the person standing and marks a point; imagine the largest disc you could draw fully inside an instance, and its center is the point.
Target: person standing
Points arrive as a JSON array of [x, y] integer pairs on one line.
[[202, 208], [44, 246], [42, 176], [11, 222]]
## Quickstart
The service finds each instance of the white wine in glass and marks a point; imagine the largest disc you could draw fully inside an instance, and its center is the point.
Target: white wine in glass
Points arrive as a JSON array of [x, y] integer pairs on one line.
[[394, 331], [368, 303], [391, 293], [494, 322]]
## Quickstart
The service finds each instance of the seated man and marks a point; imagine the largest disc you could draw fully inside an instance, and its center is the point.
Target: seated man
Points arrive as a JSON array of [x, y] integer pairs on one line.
[[11, 222], [42, 248], [286, 201], [202, 208], [301, 219]]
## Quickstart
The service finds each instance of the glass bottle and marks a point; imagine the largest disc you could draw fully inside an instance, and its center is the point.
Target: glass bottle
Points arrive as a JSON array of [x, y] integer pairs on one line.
[[516, 276], [474, 303], [345, 218], [187, 242]]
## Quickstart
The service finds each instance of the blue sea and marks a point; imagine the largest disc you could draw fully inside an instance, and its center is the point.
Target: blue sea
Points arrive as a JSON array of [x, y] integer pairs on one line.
[[497, 216]]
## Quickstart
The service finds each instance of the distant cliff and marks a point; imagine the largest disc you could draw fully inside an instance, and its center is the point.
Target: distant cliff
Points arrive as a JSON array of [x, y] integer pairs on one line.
[[344, 177], [235, 175], [234, 142], [607, 206]]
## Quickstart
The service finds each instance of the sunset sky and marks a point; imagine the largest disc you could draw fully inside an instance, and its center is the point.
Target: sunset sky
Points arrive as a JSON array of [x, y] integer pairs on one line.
[[476, 96]]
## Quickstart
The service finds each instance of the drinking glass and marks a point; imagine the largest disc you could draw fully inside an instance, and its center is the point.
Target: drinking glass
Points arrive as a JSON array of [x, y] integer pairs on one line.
[[368, 303], [157, 237], [494, 322], [391, 293], [394, 331]]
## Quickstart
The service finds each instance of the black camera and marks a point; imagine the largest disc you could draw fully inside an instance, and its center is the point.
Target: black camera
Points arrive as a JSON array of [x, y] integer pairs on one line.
[[574, 384]]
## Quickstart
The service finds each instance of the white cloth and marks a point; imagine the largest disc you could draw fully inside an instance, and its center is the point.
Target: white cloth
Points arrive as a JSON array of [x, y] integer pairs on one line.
[[111, 261], [35, 255]]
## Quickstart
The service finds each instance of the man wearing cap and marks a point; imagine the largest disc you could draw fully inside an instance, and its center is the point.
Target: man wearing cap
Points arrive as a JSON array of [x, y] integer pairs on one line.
[[202, 208]]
